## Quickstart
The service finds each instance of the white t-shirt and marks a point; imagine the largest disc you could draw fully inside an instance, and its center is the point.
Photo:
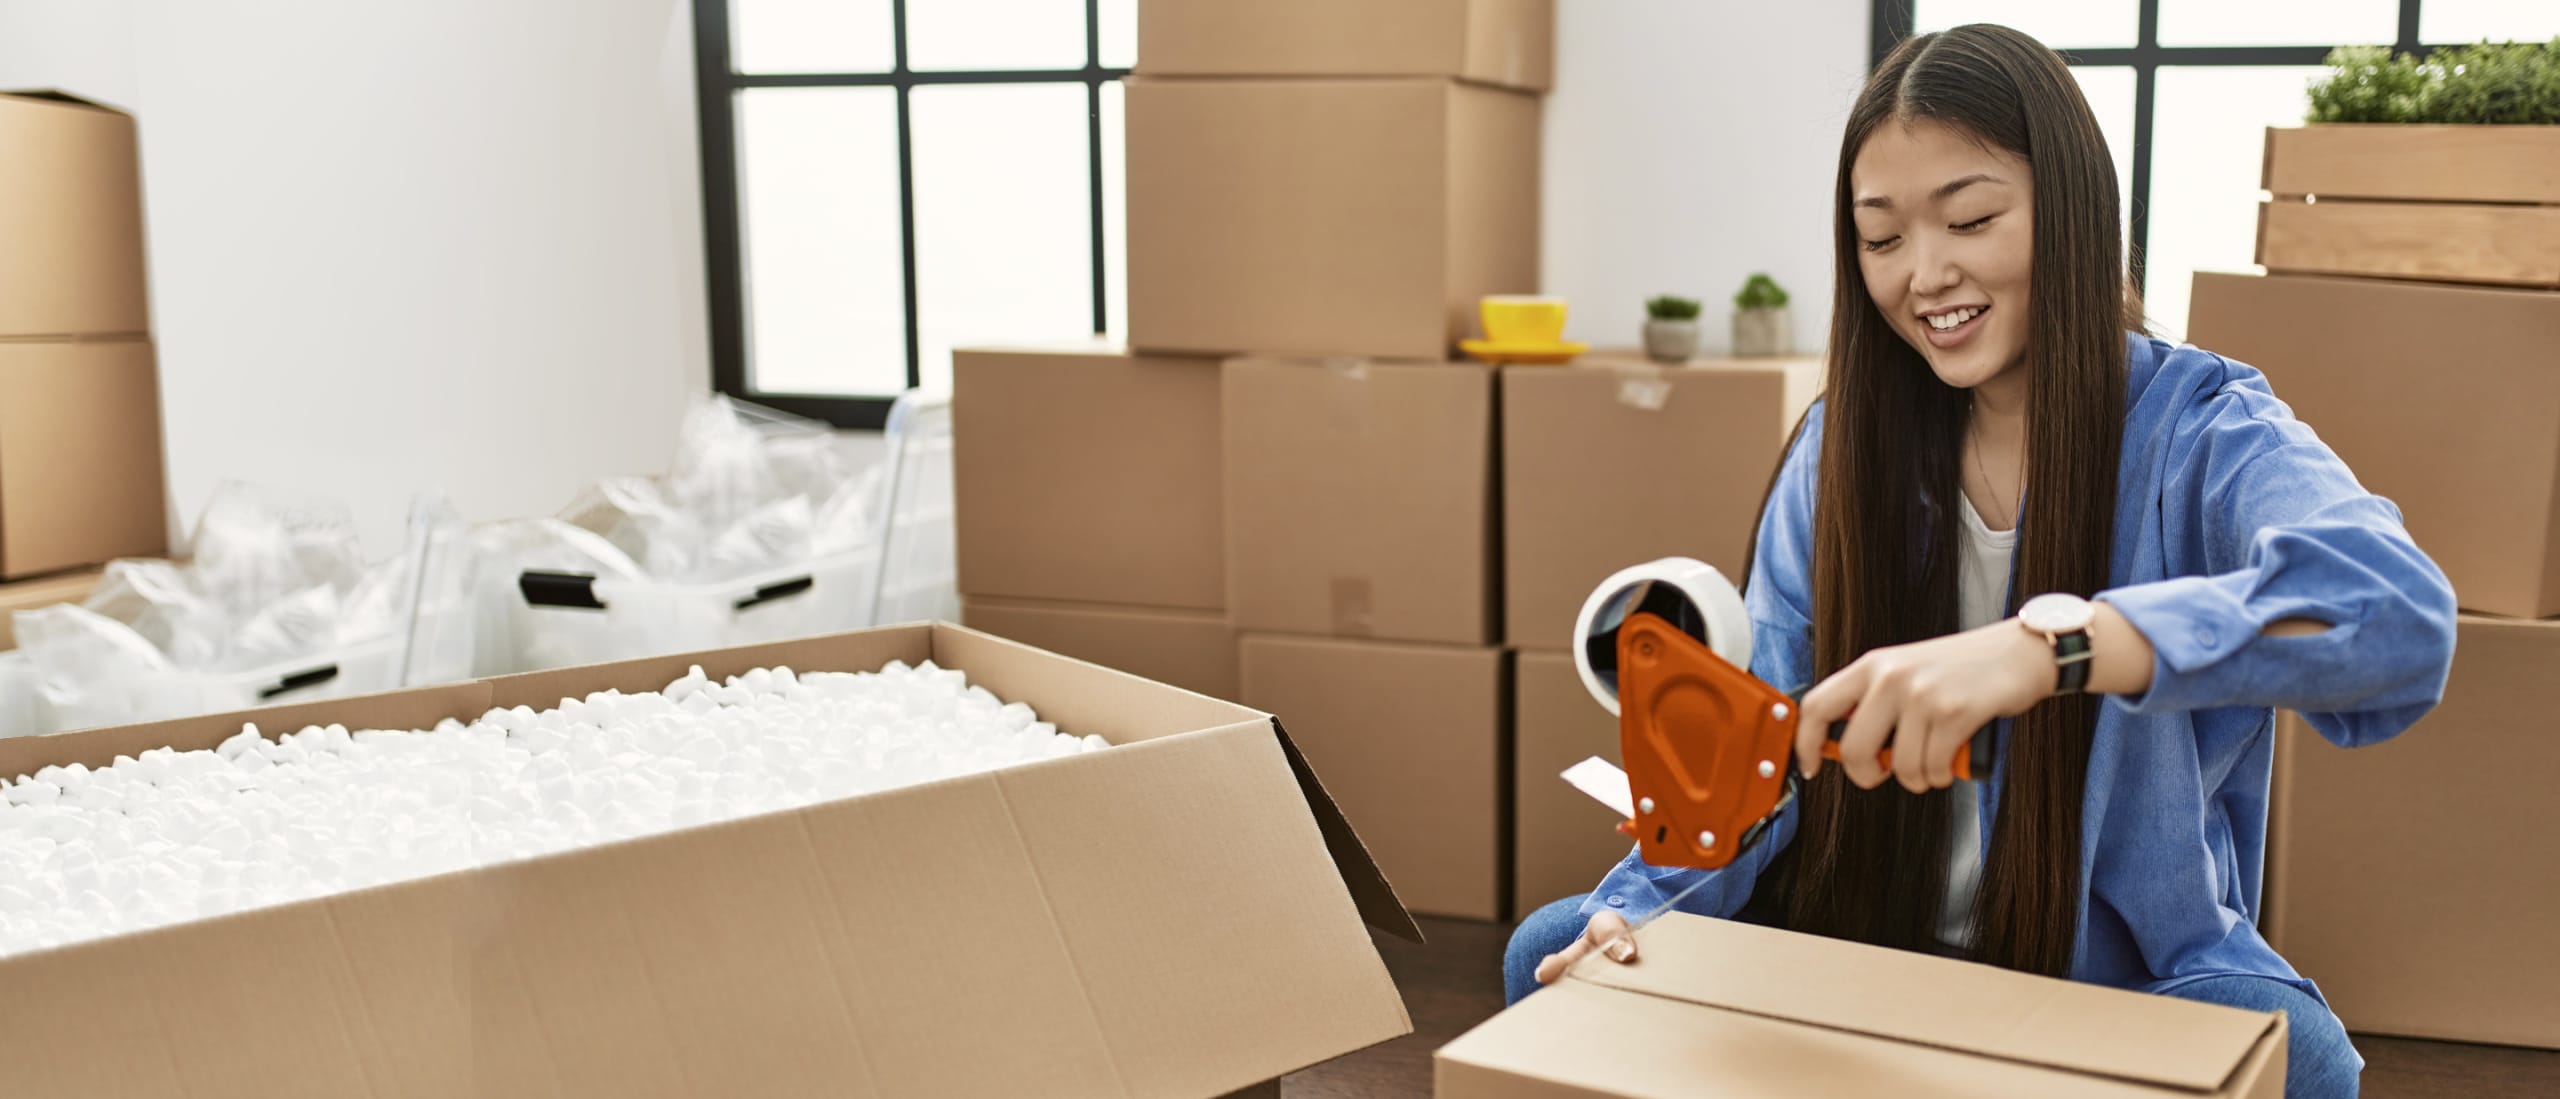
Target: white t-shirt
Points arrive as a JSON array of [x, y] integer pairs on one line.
[[1982, 597]]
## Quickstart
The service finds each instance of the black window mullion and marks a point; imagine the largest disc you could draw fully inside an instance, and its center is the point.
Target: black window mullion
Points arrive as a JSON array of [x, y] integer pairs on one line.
[[2146, 83], [2407, 41], [717, 117], [1093, 157], [906, 186]]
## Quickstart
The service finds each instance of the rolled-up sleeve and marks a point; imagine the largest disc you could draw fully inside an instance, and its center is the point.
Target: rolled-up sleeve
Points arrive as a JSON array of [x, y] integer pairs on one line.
[[1776, 595], [2288, 533]]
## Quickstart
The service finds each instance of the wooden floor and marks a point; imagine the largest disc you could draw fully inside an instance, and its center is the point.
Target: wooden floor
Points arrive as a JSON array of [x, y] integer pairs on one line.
[[1456, 982]]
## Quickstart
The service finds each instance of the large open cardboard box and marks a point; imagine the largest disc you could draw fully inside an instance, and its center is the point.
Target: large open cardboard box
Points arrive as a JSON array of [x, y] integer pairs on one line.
[[1180, 915], [1726, 1008]]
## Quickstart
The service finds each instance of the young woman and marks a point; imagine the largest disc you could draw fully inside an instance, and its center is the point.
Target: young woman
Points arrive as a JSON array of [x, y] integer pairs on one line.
[[1992, 432]]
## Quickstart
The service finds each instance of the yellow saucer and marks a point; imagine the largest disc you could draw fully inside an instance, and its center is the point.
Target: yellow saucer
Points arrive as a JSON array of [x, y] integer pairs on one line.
[[1545, 354]]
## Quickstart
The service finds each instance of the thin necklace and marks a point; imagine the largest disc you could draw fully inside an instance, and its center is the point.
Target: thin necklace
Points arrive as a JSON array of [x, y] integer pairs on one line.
[[1988, 488]]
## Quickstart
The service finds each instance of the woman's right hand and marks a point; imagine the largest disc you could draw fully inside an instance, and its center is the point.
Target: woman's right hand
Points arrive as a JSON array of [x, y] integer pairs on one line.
[[1607, 928]]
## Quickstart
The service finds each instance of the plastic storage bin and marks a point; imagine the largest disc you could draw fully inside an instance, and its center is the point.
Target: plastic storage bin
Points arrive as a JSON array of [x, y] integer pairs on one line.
[[536, 619]]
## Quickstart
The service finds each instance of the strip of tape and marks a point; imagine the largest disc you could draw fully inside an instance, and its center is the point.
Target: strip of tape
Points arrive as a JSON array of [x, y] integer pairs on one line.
[[1605, 783]]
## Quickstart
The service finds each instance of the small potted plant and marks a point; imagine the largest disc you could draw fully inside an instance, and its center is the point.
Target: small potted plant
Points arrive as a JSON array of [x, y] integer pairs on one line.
[[1671, 329], [1760, 319]]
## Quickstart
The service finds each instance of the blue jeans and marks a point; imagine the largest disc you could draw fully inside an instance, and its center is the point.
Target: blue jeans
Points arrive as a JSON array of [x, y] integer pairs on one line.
[[2320, 1062]]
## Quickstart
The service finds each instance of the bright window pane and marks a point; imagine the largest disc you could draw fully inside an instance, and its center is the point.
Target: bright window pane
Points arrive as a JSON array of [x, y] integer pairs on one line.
[[995, 34], [1115, 211], [2078, 23], [818, 205], [2453, 22], [2109, 90], [2209, 136], [1004, 238], [1119, 34], [2278, 22], [805, 36]]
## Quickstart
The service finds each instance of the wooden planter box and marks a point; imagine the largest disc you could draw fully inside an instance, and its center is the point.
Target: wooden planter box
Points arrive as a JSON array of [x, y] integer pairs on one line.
[[2476, 204]]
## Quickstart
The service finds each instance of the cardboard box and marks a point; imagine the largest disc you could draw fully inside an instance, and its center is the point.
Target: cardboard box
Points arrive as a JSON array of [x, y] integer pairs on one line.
[[1087, 473], [2431, 163], [45, 591], [1411, 742], [1073, 927], [1766, 1012], [80, 469], [1505, 42], [1360, 500], [1325, 217], [1616, 461], [1562, 842], [2452, 410], [1193, 650], [71, 212], [2453, 939]]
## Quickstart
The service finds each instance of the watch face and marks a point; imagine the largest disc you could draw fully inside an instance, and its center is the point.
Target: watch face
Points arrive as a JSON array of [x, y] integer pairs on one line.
[[2057, 613]]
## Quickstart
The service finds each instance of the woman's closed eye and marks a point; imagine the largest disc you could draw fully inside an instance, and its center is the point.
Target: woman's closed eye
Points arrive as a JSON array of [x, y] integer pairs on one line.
[[1976, 223], [1877, 245]]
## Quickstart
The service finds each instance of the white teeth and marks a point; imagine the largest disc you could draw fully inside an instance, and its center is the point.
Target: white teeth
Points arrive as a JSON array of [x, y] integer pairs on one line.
[[1947, 321]]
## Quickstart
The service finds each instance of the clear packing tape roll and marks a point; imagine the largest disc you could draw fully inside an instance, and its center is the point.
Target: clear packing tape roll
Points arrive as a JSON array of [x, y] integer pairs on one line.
[[1688, 593]]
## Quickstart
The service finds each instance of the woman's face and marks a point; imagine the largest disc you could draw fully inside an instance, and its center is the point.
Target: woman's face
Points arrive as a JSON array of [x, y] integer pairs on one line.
[[1945, 228]]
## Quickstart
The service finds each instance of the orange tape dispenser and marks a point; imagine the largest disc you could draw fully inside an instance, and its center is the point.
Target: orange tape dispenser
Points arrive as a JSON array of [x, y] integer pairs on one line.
[[1708, 746]]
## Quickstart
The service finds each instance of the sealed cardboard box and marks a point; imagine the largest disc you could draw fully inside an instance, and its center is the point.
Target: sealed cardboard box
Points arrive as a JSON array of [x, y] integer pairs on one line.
[[45, 591], [71, 212], [1360, 500], [1073, 927], [1616, 461], [2452, 410], [1193, 650], [1743, 1010], [1562, 842], [2453, 940], [1087, 473], [1506, 42], [80, 469], [1410, 741], [1325, 217]]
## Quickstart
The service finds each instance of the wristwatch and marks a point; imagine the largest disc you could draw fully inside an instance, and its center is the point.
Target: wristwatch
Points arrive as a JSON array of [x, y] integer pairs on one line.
[[2063, 621]]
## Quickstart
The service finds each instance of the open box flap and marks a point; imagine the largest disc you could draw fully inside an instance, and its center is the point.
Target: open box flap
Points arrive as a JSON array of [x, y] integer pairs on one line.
[[1939, 1002]]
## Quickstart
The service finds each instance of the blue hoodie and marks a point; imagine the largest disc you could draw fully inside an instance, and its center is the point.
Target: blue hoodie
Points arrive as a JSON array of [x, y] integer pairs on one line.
[[2230, 515]]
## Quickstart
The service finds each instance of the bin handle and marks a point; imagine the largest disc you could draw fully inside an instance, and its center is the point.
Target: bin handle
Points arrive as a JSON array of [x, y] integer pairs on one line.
[[781, 590], [559, 589], [298, 680]]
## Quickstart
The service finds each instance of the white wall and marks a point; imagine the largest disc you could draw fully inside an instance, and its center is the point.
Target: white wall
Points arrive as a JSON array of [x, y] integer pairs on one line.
[[404, 245], [1690, 144]]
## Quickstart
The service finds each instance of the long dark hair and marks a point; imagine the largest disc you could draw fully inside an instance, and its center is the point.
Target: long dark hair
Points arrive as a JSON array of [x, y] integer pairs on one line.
[[1871, 865]]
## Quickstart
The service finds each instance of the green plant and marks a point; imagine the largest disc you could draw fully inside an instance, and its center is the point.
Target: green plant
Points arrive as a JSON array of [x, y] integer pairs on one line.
[[2484, 84], [1668, 308], [1760, 292]]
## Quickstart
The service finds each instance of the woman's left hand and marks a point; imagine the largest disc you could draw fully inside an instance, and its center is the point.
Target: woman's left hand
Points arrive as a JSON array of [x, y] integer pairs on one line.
[[1924, 700]]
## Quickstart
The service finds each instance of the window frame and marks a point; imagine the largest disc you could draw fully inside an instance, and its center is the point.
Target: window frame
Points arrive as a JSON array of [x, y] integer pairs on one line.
[[717, 84], [1891, 21]]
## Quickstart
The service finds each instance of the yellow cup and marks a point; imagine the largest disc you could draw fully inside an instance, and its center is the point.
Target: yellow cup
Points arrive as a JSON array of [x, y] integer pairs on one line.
[[1522, 319]]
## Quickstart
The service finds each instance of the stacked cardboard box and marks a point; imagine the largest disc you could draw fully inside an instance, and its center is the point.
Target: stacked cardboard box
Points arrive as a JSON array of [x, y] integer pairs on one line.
[[1087, 484], [1321, 192], [80, 466], [1607, 463], [2440, 396]]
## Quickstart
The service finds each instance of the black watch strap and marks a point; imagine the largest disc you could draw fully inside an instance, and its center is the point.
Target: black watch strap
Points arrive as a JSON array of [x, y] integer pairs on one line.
[[2071, 653]]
